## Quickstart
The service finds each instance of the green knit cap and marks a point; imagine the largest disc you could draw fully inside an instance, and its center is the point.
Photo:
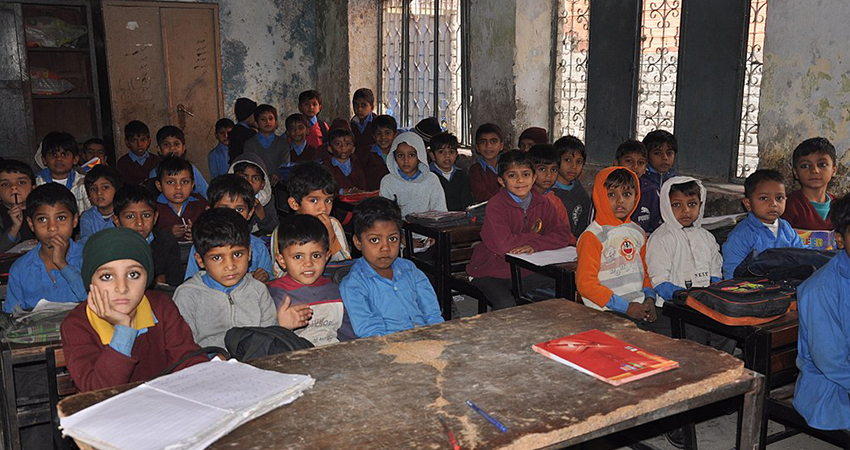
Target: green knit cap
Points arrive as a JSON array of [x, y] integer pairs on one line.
[[113, 244]]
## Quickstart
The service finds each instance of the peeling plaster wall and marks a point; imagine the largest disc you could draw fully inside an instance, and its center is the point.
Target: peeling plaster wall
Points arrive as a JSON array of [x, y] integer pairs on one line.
[[332, 58], [805, 89], [363, 17], [532, 68]]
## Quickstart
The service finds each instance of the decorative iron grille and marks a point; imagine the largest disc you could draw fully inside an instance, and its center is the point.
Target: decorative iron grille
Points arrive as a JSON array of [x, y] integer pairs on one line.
[[748, 157], [658, 65], [571, 44]]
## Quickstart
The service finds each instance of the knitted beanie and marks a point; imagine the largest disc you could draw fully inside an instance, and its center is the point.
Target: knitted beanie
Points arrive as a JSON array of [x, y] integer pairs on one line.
[[244, 108], [113, 244], [536, 134], [428, 128]]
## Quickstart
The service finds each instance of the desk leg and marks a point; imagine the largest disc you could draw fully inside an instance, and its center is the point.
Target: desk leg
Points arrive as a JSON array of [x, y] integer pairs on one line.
[[516, 281], [12, 438], [443, 261], [677, 326], [750, 417]]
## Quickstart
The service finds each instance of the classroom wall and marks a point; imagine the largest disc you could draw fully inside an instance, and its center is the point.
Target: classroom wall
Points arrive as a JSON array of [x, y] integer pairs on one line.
[[805, 89], [533, 67], [363, 23]]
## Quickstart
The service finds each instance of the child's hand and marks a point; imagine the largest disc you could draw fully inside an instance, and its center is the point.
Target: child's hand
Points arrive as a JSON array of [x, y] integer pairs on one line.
[[16, 213], [59, 249], [98, 302], [260, 275], [274, 179], [353, 190], [187, 234], [259, 211], [526, 249], [652, 314], [293, 317], [637, 311], [178, 231]]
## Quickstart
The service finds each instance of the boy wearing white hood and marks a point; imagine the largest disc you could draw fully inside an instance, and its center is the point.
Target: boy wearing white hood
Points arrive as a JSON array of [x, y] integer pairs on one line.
[[410, 183], [251, 167]]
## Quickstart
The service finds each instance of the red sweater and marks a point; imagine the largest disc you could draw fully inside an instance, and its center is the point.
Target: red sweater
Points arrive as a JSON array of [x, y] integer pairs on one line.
[[374, 168], [310, 153], [315, 137], [363, 141], [507, 227], [168, 219], [355, 179], [93, 365], [483, 182], [800, 213], [134, 173]]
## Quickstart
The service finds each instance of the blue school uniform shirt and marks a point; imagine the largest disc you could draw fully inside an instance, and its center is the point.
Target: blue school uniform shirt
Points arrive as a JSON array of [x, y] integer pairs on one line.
[[91, 221], [200, 183], [260, 259], [752, 235], [217, 160], [377, 306], [29, 281], [822, 394]]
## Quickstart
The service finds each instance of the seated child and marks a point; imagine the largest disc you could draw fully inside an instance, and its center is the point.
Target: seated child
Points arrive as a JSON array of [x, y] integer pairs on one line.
[[519, 220], [455, 182], [310, 104], [102, 338], [16, 183], [661, 148], [252, 168], [218, 157], [764, 192], [483, 176], [631, 154], [384, 293], [410, 184], [101, 183], [363, 102], [374, 163], [822, 393], [611, 273], [349, 177], [59, 154], [51, 270], [531, 137], [303, 252], [221, 297], [136, 165], [177, 206], [171, 142], [94, 148], [273, 149], [134, 207], [233, 192], [311, 192], [814, 166], [297, 130], [568, 187], [546, 169], [245, 128]]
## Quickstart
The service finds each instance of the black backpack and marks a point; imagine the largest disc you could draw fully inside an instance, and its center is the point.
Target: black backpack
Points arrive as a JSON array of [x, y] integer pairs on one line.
[[246, 343], [786, 266], [739, 301]]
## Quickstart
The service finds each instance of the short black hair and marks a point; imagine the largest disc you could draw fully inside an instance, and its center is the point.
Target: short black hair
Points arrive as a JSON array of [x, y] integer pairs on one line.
[[814, 145], [300, 229], [264, 108], [51, 194], [444, 139], [94, 140], [839, 214], [308, 177], [384, 121], [224, 123], [375, 209], [337, 133], [99, 171], [219, 227], [365, 94], [230, 185], [136, 128], [130, 194], [544, 154], [292, 119], [570, 144], [514, 158], [309, 95], [489, 128], [657, 139], [15, 166], [620, 178], [688, 189], [760, 176], [170, 131], [172, 165], [56, 141], [631, 146]]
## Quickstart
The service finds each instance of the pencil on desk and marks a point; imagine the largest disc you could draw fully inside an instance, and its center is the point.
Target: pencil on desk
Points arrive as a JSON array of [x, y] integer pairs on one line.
[[455, 445]]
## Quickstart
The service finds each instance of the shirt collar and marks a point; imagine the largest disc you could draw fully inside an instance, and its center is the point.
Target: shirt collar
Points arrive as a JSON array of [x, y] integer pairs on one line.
[[361, 125], [516, 198], [162, 200], [312, 121], [140, 160], [150, 237], [266, 141], [439, 171], [565, 187], [409, 177], [212, 284], [372, 273], [486, 166], [345, 167], [299, 148]]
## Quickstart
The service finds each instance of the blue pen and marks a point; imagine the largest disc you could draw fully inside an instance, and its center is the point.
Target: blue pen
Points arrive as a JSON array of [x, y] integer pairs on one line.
[[489, 418]]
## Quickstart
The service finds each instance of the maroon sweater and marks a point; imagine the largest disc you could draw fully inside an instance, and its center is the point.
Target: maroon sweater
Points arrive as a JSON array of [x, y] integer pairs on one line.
[[310, 153], [168, 219], [363, 141], [355, 179], [93, 365], [134, 173], [483, 182], [374, 168], [800, 213]]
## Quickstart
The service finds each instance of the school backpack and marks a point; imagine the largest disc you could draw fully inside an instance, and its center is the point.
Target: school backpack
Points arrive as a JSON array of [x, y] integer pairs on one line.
[[246, 343], [787, 266], [739, 301]]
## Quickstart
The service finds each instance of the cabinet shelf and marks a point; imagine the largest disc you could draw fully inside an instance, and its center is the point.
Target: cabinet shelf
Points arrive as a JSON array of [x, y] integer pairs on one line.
[[57, 50], [62, 96]]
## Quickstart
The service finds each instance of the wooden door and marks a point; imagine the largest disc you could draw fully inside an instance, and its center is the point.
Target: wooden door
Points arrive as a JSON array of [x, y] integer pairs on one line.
[[164, 66], [16, 137]]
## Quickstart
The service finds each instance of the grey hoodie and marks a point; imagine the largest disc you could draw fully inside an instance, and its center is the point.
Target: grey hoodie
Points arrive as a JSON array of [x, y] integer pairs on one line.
[[210, 312], [265, 195], [425, 193]]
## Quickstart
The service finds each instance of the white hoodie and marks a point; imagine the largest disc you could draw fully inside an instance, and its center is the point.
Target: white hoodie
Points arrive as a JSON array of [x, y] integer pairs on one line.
[[686, 257], [425, 193]]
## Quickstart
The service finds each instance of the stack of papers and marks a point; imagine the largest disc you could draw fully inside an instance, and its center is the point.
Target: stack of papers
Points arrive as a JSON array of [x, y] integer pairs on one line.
[[189, 409], [547, 257]]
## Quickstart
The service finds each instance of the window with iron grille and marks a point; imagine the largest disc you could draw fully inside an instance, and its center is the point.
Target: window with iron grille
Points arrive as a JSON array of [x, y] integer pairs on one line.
[[748, 149], [571, 43], [423, 65], [659, 54]]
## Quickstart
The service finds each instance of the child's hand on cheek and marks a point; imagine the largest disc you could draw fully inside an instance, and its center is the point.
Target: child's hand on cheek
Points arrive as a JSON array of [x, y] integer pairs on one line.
[[260, 275], [59, 249], [293, 317], [259, 211], [98, 302]]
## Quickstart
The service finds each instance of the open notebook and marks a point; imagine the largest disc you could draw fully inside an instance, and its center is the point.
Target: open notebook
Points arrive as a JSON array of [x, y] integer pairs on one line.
[[189, 409]]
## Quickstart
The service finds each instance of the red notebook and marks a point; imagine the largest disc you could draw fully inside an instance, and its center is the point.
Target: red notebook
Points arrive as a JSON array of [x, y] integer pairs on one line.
[[604, 357]]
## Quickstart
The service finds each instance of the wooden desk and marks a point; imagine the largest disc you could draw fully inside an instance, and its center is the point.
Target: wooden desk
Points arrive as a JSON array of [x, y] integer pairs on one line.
[[386, 392], [564, 275]]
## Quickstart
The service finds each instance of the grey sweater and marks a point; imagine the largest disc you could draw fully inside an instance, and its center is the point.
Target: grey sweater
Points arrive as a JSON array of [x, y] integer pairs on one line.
[[210, 312], [275, 156], [425, 193]]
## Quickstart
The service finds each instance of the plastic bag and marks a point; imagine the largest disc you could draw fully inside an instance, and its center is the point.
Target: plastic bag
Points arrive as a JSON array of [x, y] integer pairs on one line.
[[54, 33]]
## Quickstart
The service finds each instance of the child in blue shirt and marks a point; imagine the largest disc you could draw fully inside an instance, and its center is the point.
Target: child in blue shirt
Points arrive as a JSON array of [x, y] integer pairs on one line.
[[171, 141], [384, 293], [764, 192], [218, 157], [51, 270], [16, 182], [101, 184]]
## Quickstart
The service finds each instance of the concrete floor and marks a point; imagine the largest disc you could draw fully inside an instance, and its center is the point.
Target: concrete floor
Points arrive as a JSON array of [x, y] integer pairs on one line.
[[714, 434]]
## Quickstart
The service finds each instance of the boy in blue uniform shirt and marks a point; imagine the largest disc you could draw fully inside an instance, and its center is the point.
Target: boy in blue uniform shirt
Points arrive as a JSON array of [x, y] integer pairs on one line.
[[101, 184], [171, 141], [763, 228], [218, 158], [383, 293], [822, 394], [51, 270]]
